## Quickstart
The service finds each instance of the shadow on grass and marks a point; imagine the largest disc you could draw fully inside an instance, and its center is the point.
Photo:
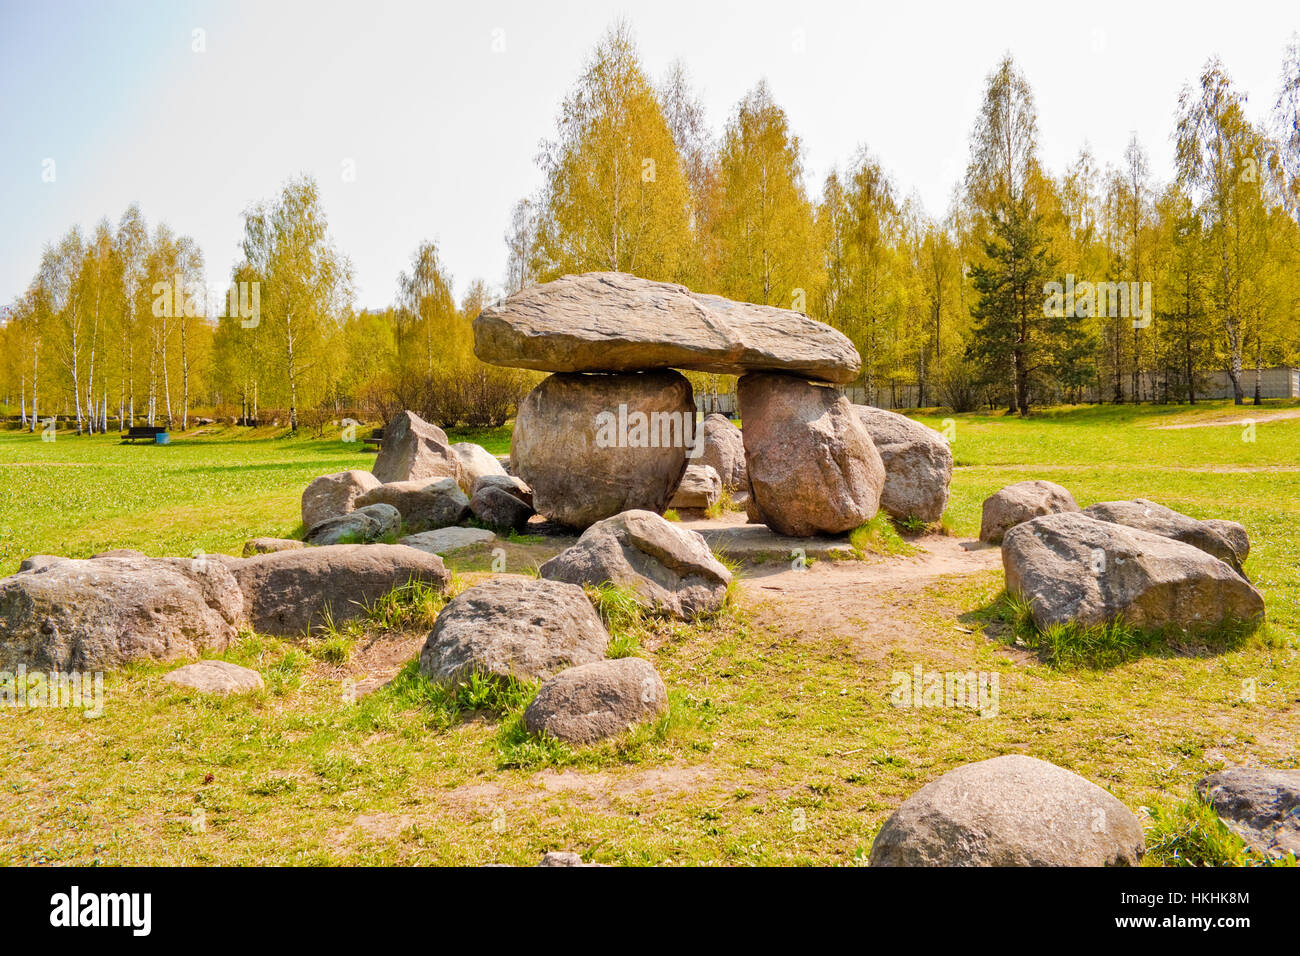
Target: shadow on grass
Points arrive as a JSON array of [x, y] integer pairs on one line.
[[1008, 620]]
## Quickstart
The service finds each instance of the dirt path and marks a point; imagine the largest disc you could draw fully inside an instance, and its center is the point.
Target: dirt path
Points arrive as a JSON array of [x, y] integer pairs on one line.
[[868, 601], [1256, 419]]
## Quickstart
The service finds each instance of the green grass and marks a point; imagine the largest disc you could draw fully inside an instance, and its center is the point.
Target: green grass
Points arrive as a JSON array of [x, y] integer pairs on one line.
[[774, 717]]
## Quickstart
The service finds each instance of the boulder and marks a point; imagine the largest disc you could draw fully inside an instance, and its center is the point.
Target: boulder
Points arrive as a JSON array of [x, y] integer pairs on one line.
[[593, 701], [1149, 516], [669, 567], [1234, 533], [722, 448], [918, 464], [332, 496], [513, 626], [700, 488], [812, 466], [498, 508], [1008, 507], [445, 540], [97, 614], [564, 858], [1010, 811], [475, 462], [1260, 805], [616, 322], [216, 677], [508, 483], [1073, 567], [591, 446], [266, 545], [287, 593], [423, 504], [413, 450], [367, 523]]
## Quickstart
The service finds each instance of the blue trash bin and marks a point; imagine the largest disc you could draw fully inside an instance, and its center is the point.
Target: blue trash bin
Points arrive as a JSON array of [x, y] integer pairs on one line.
[[162, 438]]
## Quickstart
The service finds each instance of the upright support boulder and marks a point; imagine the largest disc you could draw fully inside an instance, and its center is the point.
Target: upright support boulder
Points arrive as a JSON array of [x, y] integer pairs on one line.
[[591, 446], [812, 466]]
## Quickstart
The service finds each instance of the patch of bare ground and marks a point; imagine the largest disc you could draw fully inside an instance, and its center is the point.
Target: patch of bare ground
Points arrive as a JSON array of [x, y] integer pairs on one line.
[[1245, 420], [870, 603]]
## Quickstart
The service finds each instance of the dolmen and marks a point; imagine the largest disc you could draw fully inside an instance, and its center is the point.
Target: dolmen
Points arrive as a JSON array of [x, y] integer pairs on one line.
[[612, 428]]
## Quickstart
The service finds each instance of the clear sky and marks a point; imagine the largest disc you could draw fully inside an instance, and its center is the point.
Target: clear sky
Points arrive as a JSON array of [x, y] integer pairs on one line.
[[439, 107]]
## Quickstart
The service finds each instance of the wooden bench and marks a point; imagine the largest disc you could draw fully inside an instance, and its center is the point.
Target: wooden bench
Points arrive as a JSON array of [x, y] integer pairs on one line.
[[143, 432], [376, 440]]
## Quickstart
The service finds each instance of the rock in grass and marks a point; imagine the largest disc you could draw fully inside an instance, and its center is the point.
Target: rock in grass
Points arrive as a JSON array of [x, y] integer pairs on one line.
[[812, 466], [699, 490], [723, 449], [476, 462], [498, 508], [669, 568], [423, 504], [564, 858], [616, 322], [917, 460], [413, 450], [331, 496], [507, 483], [287, 593], [368, 523], [446, 540], [1259, 804], [1010, 506], [585, 704], [1216, 539], [267, 545], [101, 613], [513, 626], [1010, 811], [591, 446], [216, 677], [1073, 567]]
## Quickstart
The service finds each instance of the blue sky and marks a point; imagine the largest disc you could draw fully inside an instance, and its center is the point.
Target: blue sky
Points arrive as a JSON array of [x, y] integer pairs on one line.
[[439, 107]]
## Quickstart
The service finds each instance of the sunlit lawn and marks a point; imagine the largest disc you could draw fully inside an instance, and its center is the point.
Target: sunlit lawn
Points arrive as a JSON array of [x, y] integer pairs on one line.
[[781, 747]]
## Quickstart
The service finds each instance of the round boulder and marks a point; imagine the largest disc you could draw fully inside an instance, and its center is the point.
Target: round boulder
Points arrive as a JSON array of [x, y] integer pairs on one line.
[[593, 445], [422, 504], [216, 677], [1007, 508], [699, 490], [723, 449], [585, 704], [669, 568], [476, 462], [1073, 567], [812, 466], [498, 508], [513, 626], [918, 464], [332, 496], [100, 613], [1010, 811], [367, 523]]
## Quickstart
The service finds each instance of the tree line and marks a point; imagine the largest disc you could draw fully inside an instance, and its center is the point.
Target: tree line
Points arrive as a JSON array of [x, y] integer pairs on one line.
[[1096, 283]]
